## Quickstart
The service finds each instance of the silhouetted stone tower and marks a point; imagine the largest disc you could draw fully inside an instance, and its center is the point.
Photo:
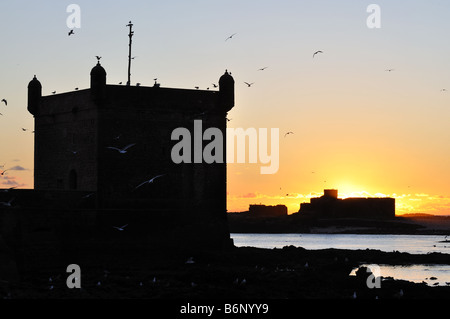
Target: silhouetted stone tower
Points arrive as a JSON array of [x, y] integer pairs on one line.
[[74, 130]]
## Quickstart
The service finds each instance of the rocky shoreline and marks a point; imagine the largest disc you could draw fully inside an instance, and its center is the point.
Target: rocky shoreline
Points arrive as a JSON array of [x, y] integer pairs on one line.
[[114, 269], [296, 223], [244, 273]]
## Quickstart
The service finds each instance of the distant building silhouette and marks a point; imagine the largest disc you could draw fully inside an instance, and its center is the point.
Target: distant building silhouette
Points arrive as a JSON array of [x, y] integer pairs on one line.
[[330, 206]]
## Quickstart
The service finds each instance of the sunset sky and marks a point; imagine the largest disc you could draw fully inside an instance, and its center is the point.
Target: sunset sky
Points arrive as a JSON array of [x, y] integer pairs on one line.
[[357, 128]]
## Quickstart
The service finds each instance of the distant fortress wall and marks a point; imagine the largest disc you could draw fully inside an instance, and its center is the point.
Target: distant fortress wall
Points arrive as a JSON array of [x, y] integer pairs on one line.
[[329, 206]]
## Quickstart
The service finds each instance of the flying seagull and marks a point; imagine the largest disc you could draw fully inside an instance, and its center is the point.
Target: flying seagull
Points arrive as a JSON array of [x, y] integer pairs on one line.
[[3, 173], [88, 195], [123, 150], [121, 228], [288, 133], [248, 84], [7, 204], [4, 101], [214, 85], [149, 181], [262, 69], [389, 70], [231, 36], [317, 53], [71, 32]]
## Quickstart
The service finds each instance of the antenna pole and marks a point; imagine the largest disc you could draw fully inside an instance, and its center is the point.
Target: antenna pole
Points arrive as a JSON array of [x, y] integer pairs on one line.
[[130, 25]]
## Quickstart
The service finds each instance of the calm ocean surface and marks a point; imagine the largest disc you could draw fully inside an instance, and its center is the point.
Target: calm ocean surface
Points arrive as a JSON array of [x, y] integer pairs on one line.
[[413, 244]]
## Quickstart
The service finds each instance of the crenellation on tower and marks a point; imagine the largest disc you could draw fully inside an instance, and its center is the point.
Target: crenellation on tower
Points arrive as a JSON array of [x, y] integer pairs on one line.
[[34, 95], [226, 91], [98, 83]]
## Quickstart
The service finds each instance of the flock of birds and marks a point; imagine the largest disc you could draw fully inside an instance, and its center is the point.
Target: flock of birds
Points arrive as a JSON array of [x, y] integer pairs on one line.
[[71, 32], [124, 150]]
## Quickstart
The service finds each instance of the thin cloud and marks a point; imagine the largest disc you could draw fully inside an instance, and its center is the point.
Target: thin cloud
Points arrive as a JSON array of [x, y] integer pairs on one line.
[[12, 183], [18, 168], [249, 195], [6, 177]]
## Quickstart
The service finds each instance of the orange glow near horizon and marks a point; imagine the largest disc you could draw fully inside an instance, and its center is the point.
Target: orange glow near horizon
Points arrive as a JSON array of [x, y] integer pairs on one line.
[[405, 203]]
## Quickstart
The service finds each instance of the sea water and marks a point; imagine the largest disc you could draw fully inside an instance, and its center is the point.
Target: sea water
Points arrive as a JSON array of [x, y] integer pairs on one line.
[[433, 275], [413, 244]]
